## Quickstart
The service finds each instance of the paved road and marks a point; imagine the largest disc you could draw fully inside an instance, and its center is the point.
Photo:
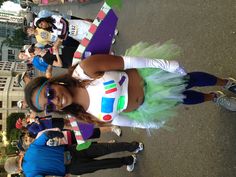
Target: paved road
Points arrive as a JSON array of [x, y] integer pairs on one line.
[[202, 142]]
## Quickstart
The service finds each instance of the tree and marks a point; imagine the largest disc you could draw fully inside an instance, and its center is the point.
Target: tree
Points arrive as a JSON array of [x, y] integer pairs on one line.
[[11, 121], [1, 1], [2, 170], [12, 132], [16, 40]]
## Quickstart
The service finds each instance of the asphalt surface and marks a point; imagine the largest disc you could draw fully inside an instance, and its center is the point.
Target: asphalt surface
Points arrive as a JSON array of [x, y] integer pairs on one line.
[[201, 142]]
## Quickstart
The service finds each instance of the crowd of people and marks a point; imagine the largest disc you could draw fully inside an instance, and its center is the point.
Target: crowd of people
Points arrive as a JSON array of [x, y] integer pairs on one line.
[[141, 89]]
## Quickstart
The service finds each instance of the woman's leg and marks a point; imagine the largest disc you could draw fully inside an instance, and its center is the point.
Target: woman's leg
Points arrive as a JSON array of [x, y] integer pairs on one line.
[[83, 161], [195, 97], [201, 79], [80, 166], [101, 149]]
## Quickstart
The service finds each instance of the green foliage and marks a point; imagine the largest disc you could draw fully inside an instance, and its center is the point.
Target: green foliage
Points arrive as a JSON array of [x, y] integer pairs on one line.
[[11, 121], [12, 132], [1, 1], [10, 149], [16, 40], [3, 158]]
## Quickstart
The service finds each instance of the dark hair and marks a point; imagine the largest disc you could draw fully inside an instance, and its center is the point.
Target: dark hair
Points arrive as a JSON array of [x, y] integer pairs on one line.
[[49, 20], [26, 29], [30, 88], [21, 143], [31, 49], [68, 81]]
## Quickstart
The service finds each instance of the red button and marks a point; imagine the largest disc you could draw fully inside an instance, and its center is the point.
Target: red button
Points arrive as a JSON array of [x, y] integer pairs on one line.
[[107, 117]]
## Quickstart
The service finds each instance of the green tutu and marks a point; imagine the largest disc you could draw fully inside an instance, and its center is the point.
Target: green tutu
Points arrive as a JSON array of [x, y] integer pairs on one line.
[[163, 90]]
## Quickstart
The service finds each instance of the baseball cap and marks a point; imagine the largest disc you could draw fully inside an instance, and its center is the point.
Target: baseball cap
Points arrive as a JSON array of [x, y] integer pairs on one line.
[[20, 79], [19, 123]]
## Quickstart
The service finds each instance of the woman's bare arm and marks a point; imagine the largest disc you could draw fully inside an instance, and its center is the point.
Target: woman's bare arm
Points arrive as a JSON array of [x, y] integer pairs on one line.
[[58, 62]]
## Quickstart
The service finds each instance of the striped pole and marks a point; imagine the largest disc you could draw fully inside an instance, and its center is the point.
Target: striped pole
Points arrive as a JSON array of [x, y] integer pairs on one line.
[[81, 144], [78, 55]]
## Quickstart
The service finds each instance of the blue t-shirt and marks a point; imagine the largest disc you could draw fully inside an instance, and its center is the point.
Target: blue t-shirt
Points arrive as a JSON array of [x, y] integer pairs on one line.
[[41, 160], [39, 64]]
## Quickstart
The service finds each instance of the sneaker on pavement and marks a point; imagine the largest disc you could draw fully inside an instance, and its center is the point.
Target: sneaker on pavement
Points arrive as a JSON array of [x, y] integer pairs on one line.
[[231, 85], [217, 95], [222, 100], [116, 130], [140, 148], [130, 168]]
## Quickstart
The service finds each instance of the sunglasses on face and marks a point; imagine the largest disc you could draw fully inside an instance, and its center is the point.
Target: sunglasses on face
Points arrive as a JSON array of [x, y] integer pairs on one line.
[[50, 94]]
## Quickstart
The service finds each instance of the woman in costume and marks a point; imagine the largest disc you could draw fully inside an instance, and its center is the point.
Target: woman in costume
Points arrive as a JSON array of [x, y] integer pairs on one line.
[[140, 91], [75, 28]]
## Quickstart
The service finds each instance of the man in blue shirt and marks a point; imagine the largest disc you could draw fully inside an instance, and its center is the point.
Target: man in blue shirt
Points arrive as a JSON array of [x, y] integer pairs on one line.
[[37, 62], [41, 160]]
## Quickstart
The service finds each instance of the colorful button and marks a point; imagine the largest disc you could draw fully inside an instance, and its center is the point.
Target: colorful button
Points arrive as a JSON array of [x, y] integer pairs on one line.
[[121, 103], [110, 86], [107, 105], [122, 80], [107, 117]]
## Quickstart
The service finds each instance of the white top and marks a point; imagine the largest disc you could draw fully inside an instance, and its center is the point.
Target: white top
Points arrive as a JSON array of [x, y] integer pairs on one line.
[[58, 24], [108, 95], [78, 29]]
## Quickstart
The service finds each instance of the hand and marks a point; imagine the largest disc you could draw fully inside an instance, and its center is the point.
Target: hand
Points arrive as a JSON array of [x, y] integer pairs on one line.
[[55, 50], [48, 75]]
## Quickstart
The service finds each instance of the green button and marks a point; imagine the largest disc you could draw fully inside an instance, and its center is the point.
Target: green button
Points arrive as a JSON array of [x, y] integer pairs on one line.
[[121, 103]]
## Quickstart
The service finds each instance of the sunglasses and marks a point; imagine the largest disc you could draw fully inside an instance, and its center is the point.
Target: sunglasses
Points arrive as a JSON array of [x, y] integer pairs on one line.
[[50, 94]]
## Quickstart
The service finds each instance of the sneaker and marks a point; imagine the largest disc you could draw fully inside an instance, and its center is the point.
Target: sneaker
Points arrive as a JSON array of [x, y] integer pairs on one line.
[[140, 148], [116, 32], [231, 85], [228, 103], [113, 41], [116, 130], [217, 95], [130, 168]]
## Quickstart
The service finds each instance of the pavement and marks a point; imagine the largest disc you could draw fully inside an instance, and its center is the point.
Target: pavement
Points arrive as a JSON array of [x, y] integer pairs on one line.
[[200, 141]]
